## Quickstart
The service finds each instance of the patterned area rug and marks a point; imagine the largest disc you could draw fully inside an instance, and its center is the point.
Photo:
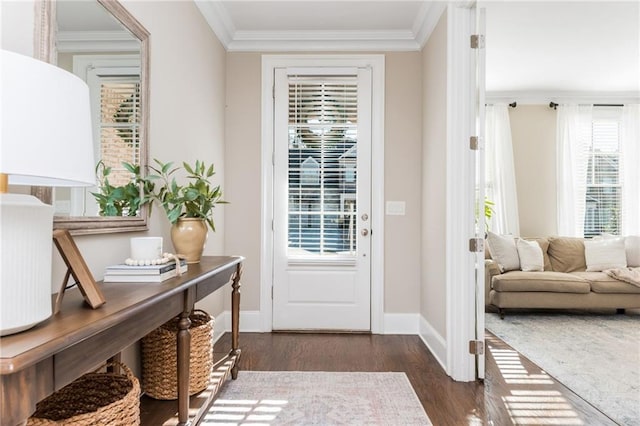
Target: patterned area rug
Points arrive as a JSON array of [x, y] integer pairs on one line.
[[317, 398], [596, 355]]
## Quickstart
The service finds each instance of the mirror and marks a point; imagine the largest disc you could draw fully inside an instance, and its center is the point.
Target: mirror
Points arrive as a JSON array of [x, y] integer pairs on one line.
[[102, 43]]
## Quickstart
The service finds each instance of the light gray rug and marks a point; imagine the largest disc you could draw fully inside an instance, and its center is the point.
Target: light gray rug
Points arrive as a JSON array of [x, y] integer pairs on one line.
[[317, 398], [596, 355]]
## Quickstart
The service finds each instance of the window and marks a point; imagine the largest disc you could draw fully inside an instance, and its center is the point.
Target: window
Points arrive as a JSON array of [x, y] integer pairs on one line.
[[322, 128], [119, 125], [604, 183]]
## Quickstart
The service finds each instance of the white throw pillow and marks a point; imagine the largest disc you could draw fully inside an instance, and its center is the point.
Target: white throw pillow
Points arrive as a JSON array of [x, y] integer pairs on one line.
[[606, 253], [632, 248], [530, 253], [503, 250]]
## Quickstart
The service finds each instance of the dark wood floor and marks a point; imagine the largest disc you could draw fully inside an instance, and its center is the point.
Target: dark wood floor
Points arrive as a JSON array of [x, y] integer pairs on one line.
[[515, 390]]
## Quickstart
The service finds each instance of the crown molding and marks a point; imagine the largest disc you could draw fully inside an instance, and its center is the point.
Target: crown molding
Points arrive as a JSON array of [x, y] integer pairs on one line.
[[218, 19], [426, 21], [316, 41], [96, 41], [234, 40]]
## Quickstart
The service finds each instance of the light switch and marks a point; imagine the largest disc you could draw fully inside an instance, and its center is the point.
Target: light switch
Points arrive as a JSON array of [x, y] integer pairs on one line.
[[395, 208]]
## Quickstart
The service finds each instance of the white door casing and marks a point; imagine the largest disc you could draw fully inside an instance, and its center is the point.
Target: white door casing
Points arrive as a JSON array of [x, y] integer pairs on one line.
[[376, 64]]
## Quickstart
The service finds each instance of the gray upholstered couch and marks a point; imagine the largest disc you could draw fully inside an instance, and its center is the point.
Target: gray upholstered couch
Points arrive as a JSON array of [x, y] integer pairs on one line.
[[564, 283]]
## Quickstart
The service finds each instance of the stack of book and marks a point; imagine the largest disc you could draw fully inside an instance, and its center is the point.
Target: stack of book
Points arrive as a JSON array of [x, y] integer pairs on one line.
[[149, 273]]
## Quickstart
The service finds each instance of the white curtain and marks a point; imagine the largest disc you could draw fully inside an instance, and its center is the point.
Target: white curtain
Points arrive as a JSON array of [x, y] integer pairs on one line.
[[500, 172], [630, 169], [573, 139]]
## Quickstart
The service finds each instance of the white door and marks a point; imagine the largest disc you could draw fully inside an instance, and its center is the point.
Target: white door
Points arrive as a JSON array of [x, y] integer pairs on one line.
[[322, 199], [479, 108]]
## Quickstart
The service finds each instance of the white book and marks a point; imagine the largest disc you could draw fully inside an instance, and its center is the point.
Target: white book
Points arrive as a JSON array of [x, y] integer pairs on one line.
[[135, 278]]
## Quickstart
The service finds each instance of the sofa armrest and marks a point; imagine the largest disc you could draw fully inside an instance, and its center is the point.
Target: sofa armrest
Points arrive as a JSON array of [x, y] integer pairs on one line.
[[491, 269]]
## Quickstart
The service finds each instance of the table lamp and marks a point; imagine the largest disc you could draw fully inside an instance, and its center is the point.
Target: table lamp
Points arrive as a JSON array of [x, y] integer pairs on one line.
[[45, 140]]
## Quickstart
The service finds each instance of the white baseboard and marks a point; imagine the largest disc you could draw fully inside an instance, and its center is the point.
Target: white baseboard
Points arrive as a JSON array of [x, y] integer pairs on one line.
[[434, 342], [249, 323], [400, 323]]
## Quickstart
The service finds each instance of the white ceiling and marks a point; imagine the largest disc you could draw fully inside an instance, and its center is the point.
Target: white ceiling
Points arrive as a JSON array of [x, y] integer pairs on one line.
[[532, 46], [536, 47]]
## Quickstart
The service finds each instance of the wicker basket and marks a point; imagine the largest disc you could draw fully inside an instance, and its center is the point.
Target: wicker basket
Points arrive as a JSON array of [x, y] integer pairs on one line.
[[159, 357], [96, 398]]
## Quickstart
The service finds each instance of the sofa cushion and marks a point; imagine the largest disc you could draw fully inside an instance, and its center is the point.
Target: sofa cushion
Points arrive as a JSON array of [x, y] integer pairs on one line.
[[607, 253], [601, 282], [550, 281], [530, 254], [503, 250], [567, 254]]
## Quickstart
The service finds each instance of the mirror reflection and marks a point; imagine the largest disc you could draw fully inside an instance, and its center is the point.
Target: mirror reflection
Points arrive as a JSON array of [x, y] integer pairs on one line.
[[91, 43]]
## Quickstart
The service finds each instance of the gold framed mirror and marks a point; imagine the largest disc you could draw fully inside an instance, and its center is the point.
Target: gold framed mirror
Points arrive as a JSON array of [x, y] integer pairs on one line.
[[108, 45]]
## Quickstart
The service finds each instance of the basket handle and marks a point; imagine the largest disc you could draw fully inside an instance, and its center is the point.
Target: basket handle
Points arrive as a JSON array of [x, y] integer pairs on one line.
[[127, 371], [201, 311]]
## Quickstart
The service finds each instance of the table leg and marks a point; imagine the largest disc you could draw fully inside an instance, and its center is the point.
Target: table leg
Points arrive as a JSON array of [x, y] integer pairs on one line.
[[235, 319], [184, 355]]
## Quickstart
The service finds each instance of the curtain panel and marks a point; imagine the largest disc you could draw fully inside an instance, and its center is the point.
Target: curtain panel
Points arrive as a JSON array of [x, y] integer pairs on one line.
[[500, 174], [573, 138], [630, 149]]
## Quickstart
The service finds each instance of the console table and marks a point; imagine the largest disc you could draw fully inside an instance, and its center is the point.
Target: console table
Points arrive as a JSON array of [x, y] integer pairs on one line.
[[37, 362]]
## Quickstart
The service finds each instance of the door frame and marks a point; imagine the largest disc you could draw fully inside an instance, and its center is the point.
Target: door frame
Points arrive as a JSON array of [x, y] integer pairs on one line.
[[269, 64]]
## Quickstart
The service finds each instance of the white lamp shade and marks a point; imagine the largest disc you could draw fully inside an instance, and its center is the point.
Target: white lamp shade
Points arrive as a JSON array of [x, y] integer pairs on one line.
[[46, 136]]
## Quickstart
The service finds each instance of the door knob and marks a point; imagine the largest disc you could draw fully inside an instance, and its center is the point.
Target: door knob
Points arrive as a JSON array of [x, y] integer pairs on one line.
[[364, 232]]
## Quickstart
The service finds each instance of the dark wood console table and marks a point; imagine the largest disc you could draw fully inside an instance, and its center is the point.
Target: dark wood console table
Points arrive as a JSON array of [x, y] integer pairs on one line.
[[37, 362]]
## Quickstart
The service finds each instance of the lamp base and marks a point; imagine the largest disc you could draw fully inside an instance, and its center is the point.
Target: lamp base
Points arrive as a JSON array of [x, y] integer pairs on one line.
[[25, 255]]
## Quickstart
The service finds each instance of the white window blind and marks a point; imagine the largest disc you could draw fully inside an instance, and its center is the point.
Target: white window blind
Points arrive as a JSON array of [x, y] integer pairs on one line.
[[322, 173], [604, 184], [120, 125]]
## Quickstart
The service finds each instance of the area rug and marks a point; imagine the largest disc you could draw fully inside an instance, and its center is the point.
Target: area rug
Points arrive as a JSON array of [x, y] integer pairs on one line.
[[596, 355], [317, 398]]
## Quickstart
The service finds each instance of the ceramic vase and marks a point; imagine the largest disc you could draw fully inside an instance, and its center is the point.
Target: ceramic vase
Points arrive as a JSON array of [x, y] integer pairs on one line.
[[189, 235]]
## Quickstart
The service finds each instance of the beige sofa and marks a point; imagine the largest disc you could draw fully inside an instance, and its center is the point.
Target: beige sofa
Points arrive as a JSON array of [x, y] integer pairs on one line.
[[564, 283]]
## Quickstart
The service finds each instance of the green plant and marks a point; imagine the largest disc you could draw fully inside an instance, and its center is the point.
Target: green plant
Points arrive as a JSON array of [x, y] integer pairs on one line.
[[196, 199], [124, 200], [488, 212]]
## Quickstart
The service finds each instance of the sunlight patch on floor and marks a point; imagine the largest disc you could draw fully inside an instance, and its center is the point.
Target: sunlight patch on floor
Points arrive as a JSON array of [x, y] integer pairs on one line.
[[529, 406], [228, 412]]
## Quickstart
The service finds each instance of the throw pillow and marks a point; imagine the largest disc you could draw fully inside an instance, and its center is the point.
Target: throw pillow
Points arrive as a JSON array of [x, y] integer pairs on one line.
[[544, 245], [504, 251], [607, 253], [566, 254], [530, 253], [632, 248]]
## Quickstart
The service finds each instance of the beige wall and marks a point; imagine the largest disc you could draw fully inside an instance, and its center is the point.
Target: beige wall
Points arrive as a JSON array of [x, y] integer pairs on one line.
[[402, 175], [533, 131], [16, 29], [243, 177], [402, 162], [434, 98]]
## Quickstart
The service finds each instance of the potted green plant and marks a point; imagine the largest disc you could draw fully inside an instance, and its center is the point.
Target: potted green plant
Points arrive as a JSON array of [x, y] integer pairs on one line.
[[120, 200], [189, 207]]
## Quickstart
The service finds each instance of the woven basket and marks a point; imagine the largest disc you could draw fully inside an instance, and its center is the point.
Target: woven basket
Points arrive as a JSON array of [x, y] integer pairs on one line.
[[97, 398], [159, 357]]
